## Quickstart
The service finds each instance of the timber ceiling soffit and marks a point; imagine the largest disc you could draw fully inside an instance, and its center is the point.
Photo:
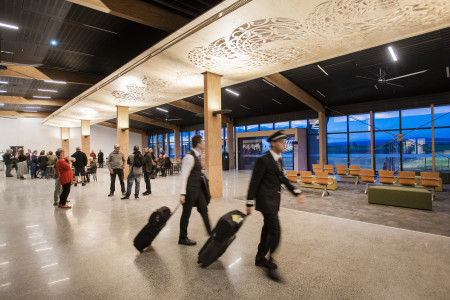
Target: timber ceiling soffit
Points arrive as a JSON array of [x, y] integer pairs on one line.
[[254, 47]]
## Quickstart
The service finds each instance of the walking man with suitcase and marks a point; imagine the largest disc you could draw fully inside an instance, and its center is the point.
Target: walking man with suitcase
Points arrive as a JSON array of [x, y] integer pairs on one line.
[[265, 189], [191, 190]]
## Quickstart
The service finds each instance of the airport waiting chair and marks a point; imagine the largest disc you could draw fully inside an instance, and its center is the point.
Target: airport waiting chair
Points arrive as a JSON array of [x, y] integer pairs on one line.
[[291, 175], [368, 177], [355, 171], [329, 169], [341, 169], [306, 177], [386, 177], [407, 178], [430, 180], [323, 180], [317, 168]]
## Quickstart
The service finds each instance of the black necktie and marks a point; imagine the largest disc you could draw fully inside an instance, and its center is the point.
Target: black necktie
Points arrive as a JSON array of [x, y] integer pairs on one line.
[[280, 164]]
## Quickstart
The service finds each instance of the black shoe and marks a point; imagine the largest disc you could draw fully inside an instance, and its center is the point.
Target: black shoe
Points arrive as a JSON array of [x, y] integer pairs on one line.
[[145, 193], [74, 184], [136, 197], [83, 184], [273, 274], [265, 263], [187, 242], [124, 198], [110, 194]]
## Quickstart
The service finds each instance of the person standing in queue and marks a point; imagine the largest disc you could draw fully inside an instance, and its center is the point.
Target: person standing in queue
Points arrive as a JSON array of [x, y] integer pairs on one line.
[[191, 193], [116, 164], [65, 176], [265, 189], [148, 166]]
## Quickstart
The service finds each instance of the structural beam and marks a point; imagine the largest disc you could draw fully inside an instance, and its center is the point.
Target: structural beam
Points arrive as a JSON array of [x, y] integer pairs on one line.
[[28, 72], [150, 121], [28, 101], [372, 142], [196, 109], [43, 114], [177, 148], [322, 139], [86, 137], [137, 11], [65, 137], [112, 125], [292, 89], [433, 145], [230, 145]]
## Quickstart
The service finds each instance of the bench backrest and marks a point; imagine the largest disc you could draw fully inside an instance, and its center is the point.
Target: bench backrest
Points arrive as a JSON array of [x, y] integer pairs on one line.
[[429, 179], [354, 170], [341, 169], [306, 177], [407, 178], [317, 168], [329, 169], [368, 176], [291, 175], [322, 178], [386, 177]]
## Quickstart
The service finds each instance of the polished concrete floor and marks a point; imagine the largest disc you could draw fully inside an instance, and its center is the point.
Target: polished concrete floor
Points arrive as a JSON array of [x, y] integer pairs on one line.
[[87, 252]]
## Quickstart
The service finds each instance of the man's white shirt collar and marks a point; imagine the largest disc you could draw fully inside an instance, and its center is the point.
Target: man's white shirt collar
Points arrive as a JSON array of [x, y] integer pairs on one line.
[[275, 156], [196, 152]]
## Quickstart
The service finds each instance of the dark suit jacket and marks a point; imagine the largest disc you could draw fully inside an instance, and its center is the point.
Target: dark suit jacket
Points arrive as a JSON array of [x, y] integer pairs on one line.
[[265, 185]]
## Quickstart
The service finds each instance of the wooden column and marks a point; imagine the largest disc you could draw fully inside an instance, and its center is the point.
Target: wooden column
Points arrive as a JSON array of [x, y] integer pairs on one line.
[[372, 142], [177, 145], [230, 144], [433, 149], [123, 133], [86, 137], [144, 140], [322, 139], [65, 136], [213, 136], [168, 144]]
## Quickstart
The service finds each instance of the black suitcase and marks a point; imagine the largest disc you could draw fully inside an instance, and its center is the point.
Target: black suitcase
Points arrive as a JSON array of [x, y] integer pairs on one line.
[[222, 236], [156, 223]]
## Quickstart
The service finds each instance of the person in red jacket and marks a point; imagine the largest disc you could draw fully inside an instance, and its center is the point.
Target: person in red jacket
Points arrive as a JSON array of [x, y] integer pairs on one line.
[[65, 176]]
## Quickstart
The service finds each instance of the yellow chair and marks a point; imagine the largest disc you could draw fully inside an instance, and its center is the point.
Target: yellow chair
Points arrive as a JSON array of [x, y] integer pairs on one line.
[[317, 168], [386, 177], [329, 169], [367, 176], [355, 171], [341, 169], [306, 177], [430, 180], [322, 179], [291, 175], [407, 178]]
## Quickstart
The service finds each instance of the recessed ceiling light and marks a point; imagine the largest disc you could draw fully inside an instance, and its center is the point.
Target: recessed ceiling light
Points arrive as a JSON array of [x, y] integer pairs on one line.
[[201, 97], [1, 104], [321, 69], [320, 93], [54, 43], [274, 100], [391, 51], [32, 107], [50, 91], [3, 91], [30, 110], [93, 27], [268, 83], [244, 106], [164, 110], [8, 26], [42, 97], [57, 82], [3, 82], [447, 71], [232, 92], [7, 52]]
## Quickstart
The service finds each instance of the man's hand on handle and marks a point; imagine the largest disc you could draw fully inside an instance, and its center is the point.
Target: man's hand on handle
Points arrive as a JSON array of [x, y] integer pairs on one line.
[[182, 199], [249, 210]]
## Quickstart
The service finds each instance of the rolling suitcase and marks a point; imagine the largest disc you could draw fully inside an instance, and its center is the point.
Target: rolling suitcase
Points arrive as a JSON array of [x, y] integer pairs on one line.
[[222, 236], [156, 223]]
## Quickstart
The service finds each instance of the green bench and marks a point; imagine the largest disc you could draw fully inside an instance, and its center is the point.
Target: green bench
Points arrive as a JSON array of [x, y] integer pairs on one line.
[[400, 196]]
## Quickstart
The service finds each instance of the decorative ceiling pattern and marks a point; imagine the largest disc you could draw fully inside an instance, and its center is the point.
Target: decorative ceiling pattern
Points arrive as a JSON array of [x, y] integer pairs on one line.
[[255, 39]]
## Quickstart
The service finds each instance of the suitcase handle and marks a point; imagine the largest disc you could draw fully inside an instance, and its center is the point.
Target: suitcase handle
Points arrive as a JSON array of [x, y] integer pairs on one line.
[[176, 208]]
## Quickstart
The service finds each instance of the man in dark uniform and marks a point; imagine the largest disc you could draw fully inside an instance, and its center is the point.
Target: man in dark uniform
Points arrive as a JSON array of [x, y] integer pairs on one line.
[[265, 189], [191, 193]]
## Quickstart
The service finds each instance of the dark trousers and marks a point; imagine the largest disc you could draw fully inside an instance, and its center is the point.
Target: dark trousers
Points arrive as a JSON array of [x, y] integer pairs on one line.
[[65, 193], [100, 164], [194, 197], [148, 186], [33, 170], [118, 172], [89, 172], [270, 236], [8, 170]]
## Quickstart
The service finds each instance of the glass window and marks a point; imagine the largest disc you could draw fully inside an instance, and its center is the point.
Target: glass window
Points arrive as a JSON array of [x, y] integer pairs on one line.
[[185, 136], [299, 124], [313, 126], [202, 133], [267, 126], [337, 149], [337, 124], [441, 116], [442, 149], [172, 138], [416, 150], [172, 151], [387, 151], [359, 122], [191, 135], [387, 120], [282, 125], [313, 150], [413, 118], [359, 149], [184, 148], [252, 128], [239, 129]]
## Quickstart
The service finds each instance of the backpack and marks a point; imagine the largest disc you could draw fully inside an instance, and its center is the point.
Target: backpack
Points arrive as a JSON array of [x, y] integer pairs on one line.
[[138, 160]]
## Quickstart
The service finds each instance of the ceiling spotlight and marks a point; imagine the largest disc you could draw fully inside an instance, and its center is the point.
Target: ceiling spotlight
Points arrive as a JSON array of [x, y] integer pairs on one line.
[[30, 110], [3, 91], [391, 51], [321, 69], [448, 72], [3, 82], [268, 83], [50, 91], [8, 26], [42, 97], [232, 92], [2, 104], [164, 110], [320, 93], [32, 107], [57, 82], [54, 43]]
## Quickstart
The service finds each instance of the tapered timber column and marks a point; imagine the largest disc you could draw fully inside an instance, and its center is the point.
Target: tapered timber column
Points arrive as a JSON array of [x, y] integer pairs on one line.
[[433, 146], [123, 133], [65, 136], [230, 144], [86, 137], [372, 142], [177, 145], [323, 138], [144, 140], [213, 136]]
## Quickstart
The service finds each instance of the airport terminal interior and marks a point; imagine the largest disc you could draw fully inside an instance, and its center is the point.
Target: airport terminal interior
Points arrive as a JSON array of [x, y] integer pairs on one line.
[[360, 91]]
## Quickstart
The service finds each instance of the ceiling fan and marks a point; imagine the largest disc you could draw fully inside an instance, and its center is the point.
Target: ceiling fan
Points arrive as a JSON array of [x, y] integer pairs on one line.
[[168, 119], [382, 80]]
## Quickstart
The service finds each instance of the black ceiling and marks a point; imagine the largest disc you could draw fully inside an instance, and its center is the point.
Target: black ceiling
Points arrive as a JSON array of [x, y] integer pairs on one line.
[[186, 8]]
